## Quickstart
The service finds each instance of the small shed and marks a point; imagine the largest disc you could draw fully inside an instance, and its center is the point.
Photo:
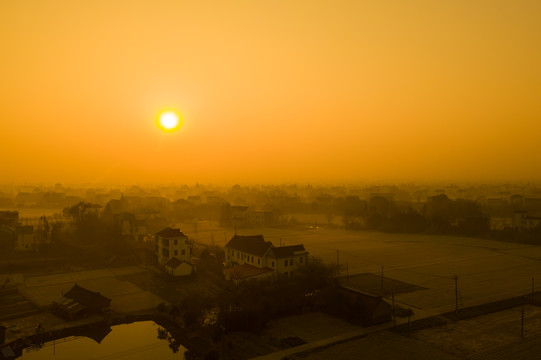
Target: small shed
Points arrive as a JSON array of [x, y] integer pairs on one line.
[[177, 267], [79, 302], [355, 306]]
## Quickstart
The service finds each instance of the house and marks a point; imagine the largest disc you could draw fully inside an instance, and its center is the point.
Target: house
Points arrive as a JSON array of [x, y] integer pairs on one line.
[[259, 218], [238, 216], [9, 218], [79, 302], [523, 221], [25, 238], [170, 243], [255, 251], [243, 216], [177, 267]]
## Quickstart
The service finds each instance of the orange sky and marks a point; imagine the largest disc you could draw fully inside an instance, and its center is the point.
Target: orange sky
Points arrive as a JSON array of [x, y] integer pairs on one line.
[[270, 91]]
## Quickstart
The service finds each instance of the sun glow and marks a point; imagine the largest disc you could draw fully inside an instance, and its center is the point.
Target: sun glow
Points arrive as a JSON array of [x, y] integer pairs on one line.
[[169, 121]]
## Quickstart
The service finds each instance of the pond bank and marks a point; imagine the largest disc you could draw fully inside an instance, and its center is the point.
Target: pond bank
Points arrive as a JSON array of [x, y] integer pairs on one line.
[[97, 329]]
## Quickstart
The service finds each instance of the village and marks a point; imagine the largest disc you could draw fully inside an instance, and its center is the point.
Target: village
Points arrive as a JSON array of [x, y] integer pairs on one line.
[[265, 290]]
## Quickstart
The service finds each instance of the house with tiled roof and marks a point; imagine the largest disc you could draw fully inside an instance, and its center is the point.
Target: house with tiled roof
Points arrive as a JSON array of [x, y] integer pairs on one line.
[[177, 267], [79, 302], [255, 252], [172, 243]]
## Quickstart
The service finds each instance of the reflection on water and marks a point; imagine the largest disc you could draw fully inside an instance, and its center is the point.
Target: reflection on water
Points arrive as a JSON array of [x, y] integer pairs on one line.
[[130, 341]]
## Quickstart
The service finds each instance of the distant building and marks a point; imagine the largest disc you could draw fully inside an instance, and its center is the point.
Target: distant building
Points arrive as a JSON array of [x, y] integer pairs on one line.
[[257, 253], [172, 243], [523, 221], [9, 218], [238, 216], [243, 216], [25, 238]]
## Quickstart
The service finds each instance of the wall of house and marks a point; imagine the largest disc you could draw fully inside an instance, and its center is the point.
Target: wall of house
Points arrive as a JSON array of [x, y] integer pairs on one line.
[[175, 247], [293, 263], [181, 270], [239, 258]]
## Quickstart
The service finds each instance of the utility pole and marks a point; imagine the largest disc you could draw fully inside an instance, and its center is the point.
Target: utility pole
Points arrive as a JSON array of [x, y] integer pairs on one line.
[[394, 311], [381, 280], [337, 263], [522, 322], [409, 321], [456, 295]]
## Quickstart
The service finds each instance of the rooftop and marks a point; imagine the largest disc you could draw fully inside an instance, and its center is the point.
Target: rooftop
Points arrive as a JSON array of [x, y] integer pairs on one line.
[[252, 244], [170, 233]]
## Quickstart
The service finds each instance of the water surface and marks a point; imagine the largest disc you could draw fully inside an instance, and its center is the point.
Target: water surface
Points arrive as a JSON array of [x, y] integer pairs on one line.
[[129, 341]]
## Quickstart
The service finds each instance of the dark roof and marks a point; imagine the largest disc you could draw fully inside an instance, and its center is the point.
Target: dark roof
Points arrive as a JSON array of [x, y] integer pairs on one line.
[[369, 302], [175, 262], [287, 251], [170, 233], [86, 297], [253, 244]]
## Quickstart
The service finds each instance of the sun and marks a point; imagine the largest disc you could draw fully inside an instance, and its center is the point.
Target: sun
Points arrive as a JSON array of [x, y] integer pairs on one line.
[[169, 121]]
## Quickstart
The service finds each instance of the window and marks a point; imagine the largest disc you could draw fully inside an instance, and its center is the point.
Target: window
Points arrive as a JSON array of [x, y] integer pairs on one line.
[[300, 260], [237, 255], [176, 241], [183, 252], [176, 252], [252, 259], [272, 264], [258, 261], [285, 263], [291, 262]]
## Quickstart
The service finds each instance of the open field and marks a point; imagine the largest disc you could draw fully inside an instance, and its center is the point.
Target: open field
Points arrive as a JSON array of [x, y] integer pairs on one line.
[[492, 336], [487, 270], [125, 296]]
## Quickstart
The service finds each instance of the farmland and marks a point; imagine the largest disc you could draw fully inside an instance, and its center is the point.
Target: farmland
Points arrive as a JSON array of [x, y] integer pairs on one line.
[[487, 270]]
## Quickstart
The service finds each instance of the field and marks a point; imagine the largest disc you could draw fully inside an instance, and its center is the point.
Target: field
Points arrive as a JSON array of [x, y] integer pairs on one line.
[[487, 270], [491, 336]]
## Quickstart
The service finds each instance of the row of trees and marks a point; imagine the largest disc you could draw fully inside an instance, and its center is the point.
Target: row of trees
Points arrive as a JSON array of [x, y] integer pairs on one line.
[[439, 215]]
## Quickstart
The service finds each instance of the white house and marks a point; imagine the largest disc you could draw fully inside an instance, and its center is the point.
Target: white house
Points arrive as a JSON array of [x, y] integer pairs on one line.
[[172, 243], [249, 252]]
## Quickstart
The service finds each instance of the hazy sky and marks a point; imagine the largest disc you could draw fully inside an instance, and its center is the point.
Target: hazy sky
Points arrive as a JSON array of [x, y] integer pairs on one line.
[[270, 91]]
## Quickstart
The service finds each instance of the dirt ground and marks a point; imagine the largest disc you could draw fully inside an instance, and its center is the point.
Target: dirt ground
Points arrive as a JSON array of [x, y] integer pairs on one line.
[[381, 345], [492, 336], [286, 332]]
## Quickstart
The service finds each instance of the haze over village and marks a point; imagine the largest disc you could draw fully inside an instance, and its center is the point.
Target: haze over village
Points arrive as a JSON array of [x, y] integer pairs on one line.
[[270, 180]]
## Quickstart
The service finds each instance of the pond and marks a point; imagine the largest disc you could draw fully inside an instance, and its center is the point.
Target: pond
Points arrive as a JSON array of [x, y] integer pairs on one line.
[[141, 340]]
